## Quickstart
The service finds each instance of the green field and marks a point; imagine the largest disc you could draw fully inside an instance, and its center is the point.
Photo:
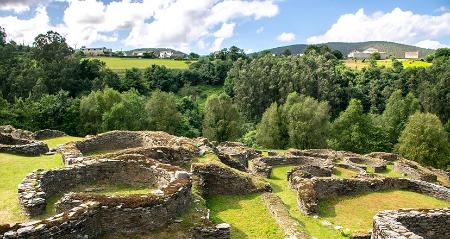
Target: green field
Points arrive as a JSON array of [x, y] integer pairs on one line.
[[358, 64], [121, 64], [13, 169], [356, 212]]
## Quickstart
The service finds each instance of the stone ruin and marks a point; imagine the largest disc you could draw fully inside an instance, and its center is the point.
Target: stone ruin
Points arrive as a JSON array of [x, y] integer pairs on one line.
[[312, 180], [162, 161], [412, 223], [20, 142]]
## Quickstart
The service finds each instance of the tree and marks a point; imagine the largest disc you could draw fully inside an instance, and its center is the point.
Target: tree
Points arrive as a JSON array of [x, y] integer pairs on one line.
[[193, 56], [424, 141], [286, 52], [134, 80], [128, 114], [268, 132], [375, 56], [306, 121], [160, 77], [222, 121], [396, 113], [354, 131], [162, 112], [50, 47], [2, 36], [93, 106]]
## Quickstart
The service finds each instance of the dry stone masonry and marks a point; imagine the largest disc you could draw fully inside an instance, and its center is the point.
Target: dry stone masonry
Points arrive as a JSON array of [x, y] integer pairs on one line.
[[20, 142]]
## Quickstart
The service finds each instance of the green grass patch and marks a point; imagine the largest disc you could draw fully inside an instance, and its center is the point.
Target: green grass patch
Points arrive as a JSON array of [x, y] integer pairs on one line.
[[60, 140], [359, 64], [248, 216], [390, 172], [13, 169], [339, 172], [117, 63], [356, 212], [309, 224]]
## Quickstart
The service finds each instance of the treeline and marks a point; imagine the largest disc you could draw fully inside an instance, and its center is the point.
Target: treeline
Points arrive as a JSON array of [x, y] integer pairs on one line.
[[309, 101]]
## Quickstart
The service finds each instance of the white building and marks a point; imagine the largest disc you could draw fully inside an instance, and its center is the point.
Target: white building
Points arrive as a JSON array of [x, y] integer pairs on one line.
[[366, 54], [412, 55], [165, 54], [96, 51]]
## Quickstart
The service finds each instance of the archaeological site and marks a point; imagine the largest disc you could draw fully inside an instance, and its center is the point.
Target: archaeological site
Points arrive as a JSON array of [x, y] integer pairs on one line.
[[176, 174]]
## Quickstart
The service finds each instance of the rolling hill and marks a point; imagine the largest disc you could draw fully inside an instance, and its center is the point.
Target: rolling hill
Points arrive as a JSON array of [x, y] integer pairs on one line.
[[391, 48]]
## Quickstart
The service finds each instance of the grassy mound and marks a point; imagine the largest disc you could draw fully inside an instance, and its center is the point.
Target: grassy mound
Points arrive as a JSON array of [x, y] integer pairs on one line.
[[356, 212]]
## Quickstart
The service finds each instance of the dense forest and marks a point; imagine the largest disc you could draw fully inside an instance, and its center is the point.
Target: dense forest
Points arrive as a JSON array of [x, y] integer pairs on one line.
[[309, 101]]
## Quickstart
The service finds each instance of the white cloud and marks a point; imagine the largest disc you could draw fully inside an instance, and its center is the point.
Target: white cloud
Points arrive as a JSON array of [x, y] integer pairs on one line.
[[397, 25], [430, 44], [25, 30], [150, 23], [286, 37], [226, 31], [259, 30]]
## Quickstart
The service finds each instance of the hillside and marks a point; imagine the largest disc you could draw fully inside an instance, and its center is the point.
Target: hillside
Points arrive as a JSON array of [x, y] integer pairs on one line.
[[156, 50], [392, 48]]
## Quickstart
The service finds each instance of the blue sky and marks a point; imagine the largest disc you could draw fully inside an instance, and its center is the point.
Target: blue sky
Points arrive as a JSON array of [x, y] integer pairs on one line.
[[207, 25]]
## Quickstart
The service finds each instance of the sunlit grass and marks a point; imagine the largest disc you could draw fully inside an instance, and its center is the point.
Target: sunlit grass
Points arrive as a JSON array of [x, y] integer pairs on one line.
[[359, 64], [60, 140], [343, 172], [117, 63], [312, 226], [248, 216], [356, 212], [13, 169]]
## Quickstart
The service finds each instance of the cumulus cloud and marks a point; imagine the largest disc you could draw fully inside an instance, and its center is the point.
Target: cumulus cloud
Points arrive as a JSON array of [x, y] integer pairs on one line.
[[430, 44], [149, 23], [25, 30], [397, 25], [19, 6], [286, 37]]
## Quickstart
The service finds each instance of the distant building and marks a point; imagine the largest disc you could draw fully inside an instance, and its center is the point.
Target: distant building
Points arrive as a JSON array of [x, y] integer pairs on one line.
[[412, 55], [165, 54], [366, 54], [96, 51], [138, 53]]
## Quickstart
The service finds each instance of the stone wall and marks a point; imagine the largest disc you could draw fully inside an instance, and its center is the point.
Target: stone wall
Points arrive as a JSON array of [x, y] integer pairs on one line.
[[220, 231], [22, 146], [414, 170], [238, 152], [217, 179], [263, 166], [309, 171], [101, 214], [16, 133], [310, 191], [412, 223], [47, 134], [155, 144], [40, 185]]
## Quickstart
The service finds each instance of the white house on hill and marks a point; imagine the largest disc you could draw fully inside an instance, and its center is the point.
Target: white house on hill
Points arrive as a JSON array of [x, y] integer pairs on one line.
[[103, 51], [366, 54], [165, 54], [412, 55]]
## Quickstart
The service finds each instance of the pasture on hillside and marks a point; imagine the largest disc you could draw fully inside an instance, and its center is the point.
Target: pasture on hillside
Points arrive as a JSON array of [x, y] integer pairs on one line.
[[359, 64], [121, 64]]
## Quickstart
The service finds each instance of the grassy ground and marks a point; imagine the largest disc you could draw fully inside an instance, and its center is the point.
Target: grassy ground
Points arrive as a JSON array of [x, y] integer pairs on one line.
[[356, 212], [388, 63], [289, 197], [120, 64], [343, 172], [61, 140], [13, 169], [247, 215]]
